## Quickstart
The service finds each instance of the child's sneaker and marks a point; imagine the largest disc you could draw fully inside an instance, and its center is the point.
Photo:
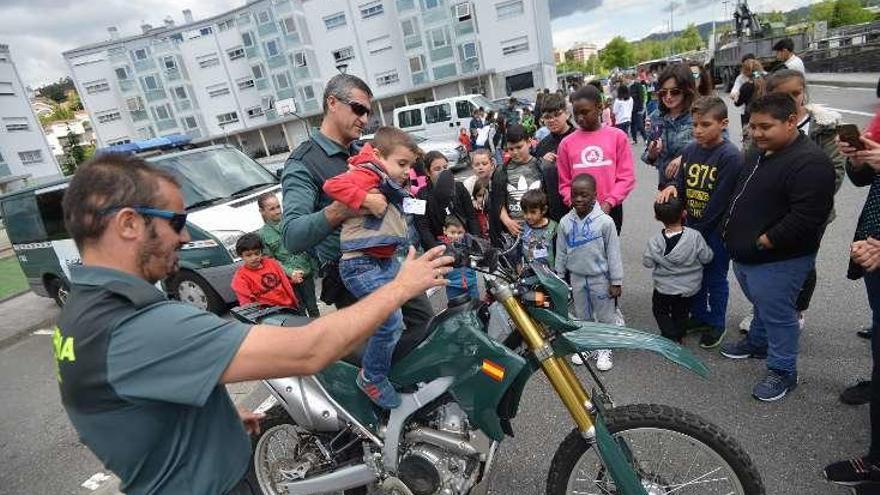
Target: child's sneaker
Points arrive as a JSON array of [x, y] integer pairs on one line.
[[712, 337], [381, 393], [603, 360]]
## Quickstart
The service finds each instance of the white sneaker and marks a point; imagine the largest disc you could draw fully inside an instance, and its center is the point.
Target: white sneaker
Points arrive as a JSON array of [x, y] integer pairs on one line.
[[801, 322], [603, 360], [576, 360], [746, 323]]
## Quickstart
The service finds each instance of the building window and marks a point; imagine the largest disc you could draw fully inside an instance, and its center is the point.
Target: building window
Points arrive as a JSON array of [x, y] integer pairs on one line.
[[259, 72], [282, 80], [272, 48], [371, 9], [343, 54], [379, 45], [206, 31], [118, 141], [140, 54], [218, 90], [247, 39], [162, 112], [107, 117], [469, 51], [439, 38], [235, 53], [135, 104], [416, 64], [245, 83], [409, 27], [308, 93], [410, 118], [30, 157], [16, 124], [387, 78], [509, 8], [226, 25], [6, 88], [227, 118], [335, 20], [463, 11], [189, 122], [268, 102], [254, 112], [209, 60], [516, 45], [121, 73], [150, 83], [169, 63], [300, 60], [264, 17], [146, 133], [289, 25], [438, 113], [96, 87], [180, 93], [431, 4]]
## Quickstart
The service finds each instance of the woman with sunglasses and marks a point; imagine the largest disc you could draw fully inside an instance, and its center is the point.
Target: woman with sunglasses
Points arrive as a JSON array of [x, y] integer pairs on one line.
[[670, 127]]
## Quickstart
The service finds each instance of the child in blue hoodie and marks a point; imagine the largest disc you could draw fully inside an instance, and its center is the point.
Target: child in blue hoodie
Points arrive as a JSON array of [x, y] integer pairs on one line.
[[588, 249]]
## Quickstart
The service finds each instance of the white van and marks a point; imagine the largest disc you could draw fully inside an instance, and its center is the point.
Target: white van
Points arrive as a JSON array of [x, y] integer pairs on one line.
[[442, 119]]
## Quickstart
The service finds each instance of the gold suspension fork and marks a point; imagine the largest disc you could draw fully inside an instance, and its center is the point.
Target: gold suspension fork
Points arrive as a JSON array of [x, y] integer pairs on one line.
[[557, 369]]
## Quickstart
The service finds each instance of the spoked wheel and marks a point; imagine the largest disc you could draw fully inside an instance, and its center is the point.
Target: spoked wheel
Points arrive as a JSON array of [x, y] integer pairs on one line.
[[672, 451]]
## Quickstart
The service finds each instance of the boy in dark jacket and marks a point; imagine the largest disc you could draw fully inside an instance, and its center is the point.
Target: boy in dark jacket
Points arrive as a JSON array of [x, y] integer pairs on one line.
[[772, 232]]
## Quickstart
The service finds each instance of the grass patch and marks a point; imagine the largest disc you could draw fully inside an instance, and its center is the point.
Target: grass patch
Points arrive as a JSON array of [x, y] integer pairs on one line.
[[12, 280]]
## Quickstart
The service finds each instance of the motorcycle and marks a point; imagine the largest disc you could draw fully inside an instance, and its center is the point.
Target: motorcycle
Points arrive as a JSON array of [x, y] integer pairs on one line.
[[461, 387]]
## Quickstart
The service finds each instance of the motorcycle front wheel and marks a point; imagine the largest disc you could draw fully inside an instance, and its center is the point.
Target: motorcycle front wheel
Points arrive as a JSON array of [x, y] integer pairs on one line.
[[672, 451]]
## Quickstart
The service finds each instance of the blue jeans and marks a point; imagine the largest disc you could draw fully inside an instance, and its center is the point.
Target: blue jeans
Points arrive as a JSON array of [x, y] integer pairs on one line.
[[362, 276], [772, 288], [709, 305], [872, 285]]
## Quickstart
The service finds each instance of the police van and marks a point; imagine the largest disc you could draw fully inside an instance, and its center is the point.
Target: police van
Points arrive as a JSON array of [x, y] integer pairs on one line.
[[220, 187], [441, 119]]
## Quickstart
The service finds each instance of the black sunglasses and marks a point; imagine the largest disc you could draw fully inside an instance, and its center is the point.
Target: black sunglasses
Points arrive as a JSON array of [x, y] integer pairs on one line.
[[670, 92], [356, 107], [176, 220]]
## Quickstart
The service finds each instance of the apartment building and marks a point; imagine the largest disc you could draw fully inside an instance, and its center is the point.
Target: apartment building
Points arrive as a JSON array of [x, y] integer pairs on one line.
[[24, 153], [581, 52], [234, 76]]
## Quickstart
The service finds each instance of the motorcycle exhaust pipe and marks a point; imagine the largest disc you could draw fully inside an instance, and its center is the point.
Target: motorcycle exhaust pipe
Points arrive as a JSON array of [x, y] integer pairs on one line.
[[339, 480]]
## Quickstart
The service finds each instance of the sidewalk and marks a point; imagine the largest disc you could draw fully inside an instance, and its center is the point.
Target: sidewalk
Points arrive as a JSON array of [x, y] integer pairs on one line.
[[845, 79], [21, 315]]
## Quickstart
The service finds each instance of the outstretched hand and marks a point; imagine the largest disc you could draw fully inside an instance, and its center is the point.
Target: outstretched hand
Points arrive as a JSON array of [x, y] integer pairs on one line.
[[417, 275]]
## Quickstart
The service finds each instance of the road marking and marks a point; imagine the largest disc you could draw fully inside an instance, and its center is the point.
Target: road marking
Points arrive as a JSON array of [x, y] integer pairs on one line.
[[43, 331], [95, 481], [852, 112]]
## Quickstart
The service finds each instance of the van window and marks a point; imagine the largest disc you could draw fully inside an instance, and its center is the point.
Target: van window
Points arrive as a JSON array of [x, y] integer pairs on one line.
[[438, 113], [52, 215], [410, 118], [22, 219], [464, 109]]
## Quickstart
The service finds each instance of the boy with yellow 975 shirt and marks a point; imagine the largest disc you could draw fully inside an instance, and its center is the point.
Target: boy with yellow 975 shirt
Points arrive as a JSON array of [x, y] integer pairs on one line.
[[706, 180]]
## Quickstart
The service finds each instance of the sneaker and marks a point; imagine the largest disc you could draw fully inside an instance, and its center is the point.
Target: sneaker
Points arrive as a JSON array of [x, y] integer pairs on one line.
[[775, 385], [576, 360], [865, 333], [742, 350], [712, 337], [746, 323], [853, 472], [858, 394], [382, 393], [603, 360]]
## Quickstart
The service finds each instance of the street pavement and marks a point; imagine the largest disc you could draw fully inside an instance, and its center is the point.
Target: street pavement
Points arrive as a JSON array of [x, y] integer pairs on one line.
[[790, 440]]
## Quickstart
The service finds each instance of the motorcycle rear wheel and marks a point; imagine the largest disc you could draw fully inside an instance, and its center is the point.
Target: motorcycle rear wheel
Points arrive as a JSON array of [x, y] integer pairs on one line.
[[665, 443]]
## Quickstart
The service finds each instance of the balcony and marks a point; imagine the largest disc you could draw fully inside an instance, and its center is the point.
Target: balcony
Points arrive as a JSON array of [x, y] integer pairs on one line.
[[436, 15], [276, 61], [405, 5], [267, 29], [444, 71], [252, 52], [145, 65], [155, 94], [470, 66], [126, 85], [443, 53], [309, 106], [464, 28], [420, 78], [164, 125], [286, 93], [292, 39], [139, 115], [300, 73], [412, 41], [262, 84], [183, 105]]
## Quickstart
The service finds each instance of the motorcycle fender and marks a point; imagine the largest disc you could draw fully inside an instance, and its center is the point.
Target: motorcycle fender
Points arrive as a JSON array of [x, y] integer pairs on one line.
[[578, 336]]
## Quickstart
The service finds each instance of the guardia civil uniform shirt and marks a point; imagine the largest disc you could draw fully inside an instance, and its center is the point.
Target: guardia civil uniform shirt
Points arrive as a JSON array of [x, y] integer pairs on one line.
[[140, 380]]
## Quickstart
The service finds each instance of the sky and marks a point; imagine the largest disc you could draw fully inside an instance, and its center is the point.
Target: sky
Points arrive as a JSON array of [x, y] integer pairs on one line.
[[39, 30]]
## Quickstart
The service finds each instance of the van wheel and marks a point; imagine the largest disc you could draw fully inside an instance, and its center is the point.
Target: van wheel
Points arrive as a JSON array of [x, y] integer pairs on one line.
[[192, 289], [59, 290]]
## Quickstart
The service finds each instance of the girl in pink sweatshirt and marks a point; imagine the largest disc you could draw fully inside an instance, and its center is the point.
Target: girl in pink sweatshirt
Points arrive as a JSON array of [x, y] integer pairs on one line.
[[601, 151]]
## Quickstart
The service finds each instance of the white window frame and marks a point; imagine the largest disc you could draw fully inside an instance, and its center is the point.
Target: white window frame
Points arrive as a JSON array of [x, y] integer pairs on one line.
[[124, 68], [138, 104], [206, 31], [235, 53], [421, 60], [520, 44], [226, 25], [268, 17], [208, 61], [217, 90], [445, 39], [343, 54], [165, 60], [109, 116], [166, 109], [246, 83], [282, 76], [136, 54], [277, 48], [286, 24], [508, 9], [94, 87], [428, 6], [155, 80], [247, 39], [30, 157], [412, 21], [177, 95], [371, 9], [300, 59], [227, 118], [379, 45], [305, 96], [262, 72], [254, 112], [267, 102], [462, 11], [388, 78], [335, 21], [464, 54], [185, 124]]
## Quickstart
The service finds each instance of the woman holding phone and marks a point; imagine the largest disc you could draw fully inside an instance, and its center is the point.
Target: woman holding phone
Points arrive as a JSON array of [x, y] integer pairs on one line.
[[671, 126]]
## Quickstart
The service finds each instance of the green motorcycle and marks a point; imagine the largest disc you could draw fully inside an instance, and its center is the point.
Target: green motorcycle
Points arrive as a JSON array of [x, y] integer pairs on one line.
[[460, 389]]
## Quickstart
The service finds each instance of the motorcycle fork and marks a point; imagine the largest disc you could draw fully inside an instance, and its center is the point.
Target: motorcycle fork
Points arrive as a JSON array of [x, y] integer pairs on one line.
[[557, 369]]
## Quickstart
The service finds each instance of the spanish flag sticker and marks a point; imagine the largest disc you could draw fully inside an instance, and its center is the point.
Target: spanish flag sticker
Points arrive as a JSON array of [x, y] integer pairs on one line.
[[493, 370]]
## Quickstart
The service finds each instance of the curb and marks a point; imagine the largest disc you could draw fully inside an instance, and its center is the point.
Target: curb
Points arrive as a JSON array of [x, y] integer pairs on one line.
[[21, 334], [13, 296]]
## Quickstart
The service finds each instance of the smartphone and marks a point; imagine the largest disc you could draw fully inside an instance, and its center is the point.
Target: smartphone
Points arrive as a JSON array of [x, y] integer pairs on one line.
[[850, 134], [656, 131]]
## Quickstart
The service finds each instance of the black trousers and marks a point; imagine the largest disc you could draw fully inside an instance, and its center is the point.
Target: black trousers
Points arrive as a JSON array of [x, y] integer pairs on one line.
[[308, 299], [671, 313], [616, 214]]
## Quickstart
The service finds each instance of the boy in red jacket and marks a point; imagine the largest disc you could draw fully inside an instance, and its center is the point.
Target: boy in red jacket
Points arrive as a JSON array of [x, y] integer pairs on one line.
[[260, 279], [369, 243]]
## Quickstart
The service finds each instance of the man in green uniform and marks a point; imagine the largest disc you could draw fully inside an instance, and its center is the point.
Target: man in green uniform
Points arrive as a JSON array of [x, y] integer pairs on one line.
[[300, 267], [142, 377]]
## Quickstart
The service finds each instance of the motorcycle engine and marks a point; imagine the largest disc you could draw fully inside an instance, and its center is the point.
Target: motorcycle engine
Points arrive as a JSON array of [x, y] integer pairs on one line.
[[428, 468]]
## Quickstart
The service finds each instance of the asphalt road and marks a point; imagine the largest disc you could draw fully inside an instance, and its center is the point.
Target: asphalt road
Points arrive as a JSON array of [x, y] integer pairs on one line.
[[790, 440]]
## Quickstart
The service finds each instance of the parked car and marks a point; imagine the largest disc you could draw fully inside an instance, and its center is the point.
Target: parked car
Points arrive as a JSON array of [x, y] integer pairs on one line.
[[442, 119]]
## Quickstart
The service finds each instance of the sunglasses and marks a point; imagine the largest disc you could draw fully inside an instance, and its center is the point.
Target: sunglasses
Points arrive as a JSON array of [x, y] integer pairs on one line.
[[663, 93], [357, 108], [176, 220]]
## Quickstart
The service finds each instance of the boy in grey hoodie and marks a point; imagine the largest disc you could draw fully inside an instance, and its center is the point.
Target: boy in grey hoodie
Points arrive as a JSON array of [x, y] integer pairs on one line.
[[677, 255], [587, 248]]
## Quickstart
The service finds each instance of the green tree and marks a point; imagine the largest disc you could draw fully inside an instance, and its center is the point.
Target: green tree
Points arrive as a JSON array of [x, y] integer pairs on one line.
[[594, 65], [775, 16], [617, 53], [75, 155], [840, 12], [688, 40]]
